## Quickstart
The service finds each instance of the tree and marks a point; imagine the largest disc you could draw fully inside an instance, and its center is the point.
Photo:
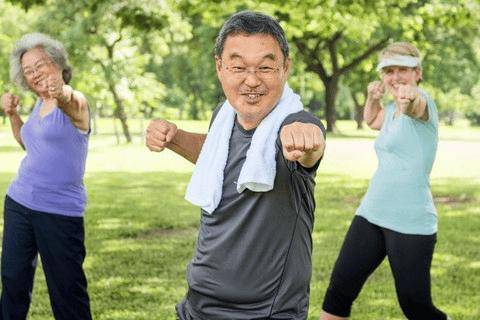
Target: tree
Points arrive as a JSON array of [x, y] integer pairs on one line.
[[116, 41], [191, 64], [357, 82], [126, 50], [335, 37]]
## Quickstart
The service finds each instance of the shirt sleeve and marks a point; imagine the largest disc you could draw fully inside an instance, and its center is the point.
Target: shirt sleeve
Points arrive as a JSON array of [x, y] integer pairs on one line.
[[432, 112], [304, 117]]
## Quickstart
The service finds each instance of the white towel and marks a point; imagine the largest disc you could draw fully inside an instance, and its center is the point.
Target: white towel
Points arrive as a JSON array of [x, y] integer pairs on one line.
[[259, 169]]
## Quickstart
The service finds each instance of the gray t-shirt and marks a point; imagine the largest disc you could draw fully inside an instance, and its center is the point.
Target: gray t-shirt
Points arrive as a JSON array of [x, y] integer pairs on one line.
[[253, 255]]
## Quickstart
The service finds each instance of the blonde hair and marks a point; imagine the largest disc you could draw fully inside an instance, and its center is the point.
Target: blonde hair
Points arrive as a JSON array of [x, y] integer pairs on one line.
[[400, 48], [403, 49]]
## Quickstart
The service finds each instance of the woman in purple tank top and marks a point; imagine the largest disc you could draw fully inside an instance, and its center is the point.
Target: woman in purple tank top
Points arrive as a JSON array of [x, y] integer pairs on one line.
[[44, 205]]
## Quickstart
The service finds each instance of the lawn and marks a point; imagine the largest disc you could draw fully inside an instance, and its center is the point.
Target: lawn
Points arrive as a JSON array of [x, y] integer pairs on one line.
[[140, 232]]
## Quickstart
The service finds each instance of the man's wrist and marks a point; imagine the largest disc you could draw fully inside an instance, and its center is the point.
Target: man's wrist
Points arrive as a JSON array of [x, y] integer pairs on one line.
[[174, 142]]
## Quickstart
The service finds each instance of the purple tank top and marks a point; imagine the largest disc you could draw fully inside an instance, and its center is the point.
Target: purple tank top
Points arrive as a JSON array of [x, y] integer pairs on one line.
[[50, 178]]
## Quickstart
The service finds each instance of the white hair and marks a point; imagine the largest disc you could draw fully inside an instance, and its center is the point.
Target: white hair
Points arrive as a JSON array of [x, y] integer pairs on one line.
[[53, 48]]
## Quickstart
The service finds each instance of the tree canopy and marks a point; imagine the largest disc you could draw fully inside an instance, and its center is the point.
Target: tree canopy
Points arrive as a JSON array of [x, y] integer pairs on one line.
[[155, 58]]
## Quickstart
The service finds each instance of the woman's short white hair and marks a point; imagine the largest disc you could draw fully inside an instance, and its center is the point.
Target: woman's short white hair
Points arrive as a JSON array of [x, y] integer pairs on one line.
[[53, 48]]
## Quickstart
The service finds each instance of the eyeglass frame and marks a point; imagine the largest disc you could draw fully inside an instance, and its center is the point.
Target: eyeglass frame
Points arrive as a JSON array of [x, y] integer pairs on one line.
[[28, 73], [243, 73]]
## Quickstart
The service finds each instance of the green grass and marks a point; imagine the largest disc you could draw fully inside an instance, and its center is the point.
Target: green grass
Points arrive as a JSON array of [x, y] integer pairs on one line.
[[140, 232]]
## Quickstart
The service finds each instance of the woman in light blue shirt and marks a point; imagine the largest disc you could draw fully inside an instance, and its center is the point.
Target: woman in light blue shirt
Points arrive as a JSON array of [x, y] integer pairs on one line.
[[397, 216]]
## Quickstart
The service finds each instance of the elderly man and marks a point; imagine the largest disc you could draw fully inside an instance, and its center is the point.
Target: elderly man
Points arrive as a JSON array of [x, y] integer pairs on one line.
[[254, 180]]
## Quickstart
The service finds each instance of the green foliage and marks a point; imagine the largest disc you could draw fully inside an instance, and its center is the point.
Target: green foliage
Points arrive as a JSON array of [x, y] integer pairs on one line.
[[189, 73], [152, 56], [112, 45], [27, 4]]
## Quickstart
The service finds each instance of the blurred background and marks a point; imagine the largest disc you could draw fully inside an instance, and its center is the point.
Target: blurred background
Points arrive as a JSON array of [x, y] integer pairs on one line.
[[136, 60]]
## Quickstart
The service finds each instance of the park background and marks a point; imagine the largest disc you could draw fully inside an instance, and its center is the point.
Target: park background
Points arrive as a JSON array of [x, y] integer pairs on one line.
[[136, 60]]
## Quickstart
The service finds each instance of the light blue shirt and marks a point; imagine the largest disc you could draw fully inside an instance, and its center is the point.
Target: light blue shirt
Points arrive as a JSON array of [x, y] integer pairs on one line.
[[399, 197]]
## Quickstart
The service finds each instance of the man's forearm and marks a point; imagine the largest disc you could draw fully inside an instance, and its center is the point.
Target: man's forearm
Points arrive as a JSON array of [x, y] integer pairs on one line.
[[16, 123], [187, 144]]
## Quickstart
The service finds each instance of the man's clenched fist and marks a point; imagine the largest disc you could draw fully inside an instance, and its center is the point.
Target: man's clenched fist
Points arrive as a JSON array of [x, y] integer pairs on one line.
[[159, 134], [302, 141]]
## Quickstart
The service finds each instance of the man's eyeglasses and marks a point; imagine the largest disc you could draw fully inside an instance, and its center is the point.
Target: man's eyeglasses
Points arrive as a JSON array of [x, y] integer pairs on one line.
[[262, 72], [39, 66]]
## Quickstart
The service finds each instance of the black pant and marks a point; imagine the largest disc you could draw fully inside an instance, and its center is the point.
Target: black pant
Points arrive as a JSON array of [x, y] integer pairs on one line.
[[60, 242], [364, 248]]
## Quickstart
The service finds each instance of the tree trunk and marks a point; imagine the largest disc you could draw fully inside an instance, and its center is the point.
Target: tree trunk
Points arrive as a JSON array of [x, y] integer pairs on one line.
[[142, 125], [180, 111], [94, 117], [450, 118], [122, 116], [193, 111], [115, 130], [331, 88], [358, 111], [120, 113]]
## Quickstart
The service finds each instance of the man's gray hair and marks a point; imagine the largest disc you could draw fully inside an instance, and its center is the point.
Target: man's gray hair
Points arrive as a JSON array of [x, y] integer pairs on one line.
[[53, 48], [251, 22]]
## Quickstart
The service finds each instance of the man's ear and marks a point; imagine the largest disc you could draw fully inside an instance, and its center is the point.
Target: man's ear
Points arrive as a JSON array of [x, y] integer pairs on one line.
[[218, 63], [286, 68], [287, 65]]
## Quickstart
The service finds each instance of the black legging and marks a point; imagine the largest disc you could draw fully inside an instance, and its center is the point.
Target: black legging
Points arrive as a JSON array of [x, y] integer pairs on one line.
[[364, 248]]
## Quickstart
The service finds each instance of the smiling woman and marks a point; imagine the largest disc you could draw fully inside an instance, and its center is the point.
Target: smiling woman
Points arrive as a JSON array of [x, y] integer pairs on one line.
[[45, 203], [396, 217]]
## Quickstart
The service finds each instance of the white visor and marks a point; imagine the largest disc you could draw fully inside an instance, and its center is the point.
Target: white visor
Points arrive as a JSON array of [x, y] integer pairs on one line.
[[398, 60]]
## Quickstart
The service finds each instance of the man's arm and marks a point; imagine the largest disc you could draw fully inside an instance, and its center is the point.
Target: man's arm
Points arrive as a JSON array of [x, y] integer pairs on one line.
[[163, 134], [302, 142], [187, 144]]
